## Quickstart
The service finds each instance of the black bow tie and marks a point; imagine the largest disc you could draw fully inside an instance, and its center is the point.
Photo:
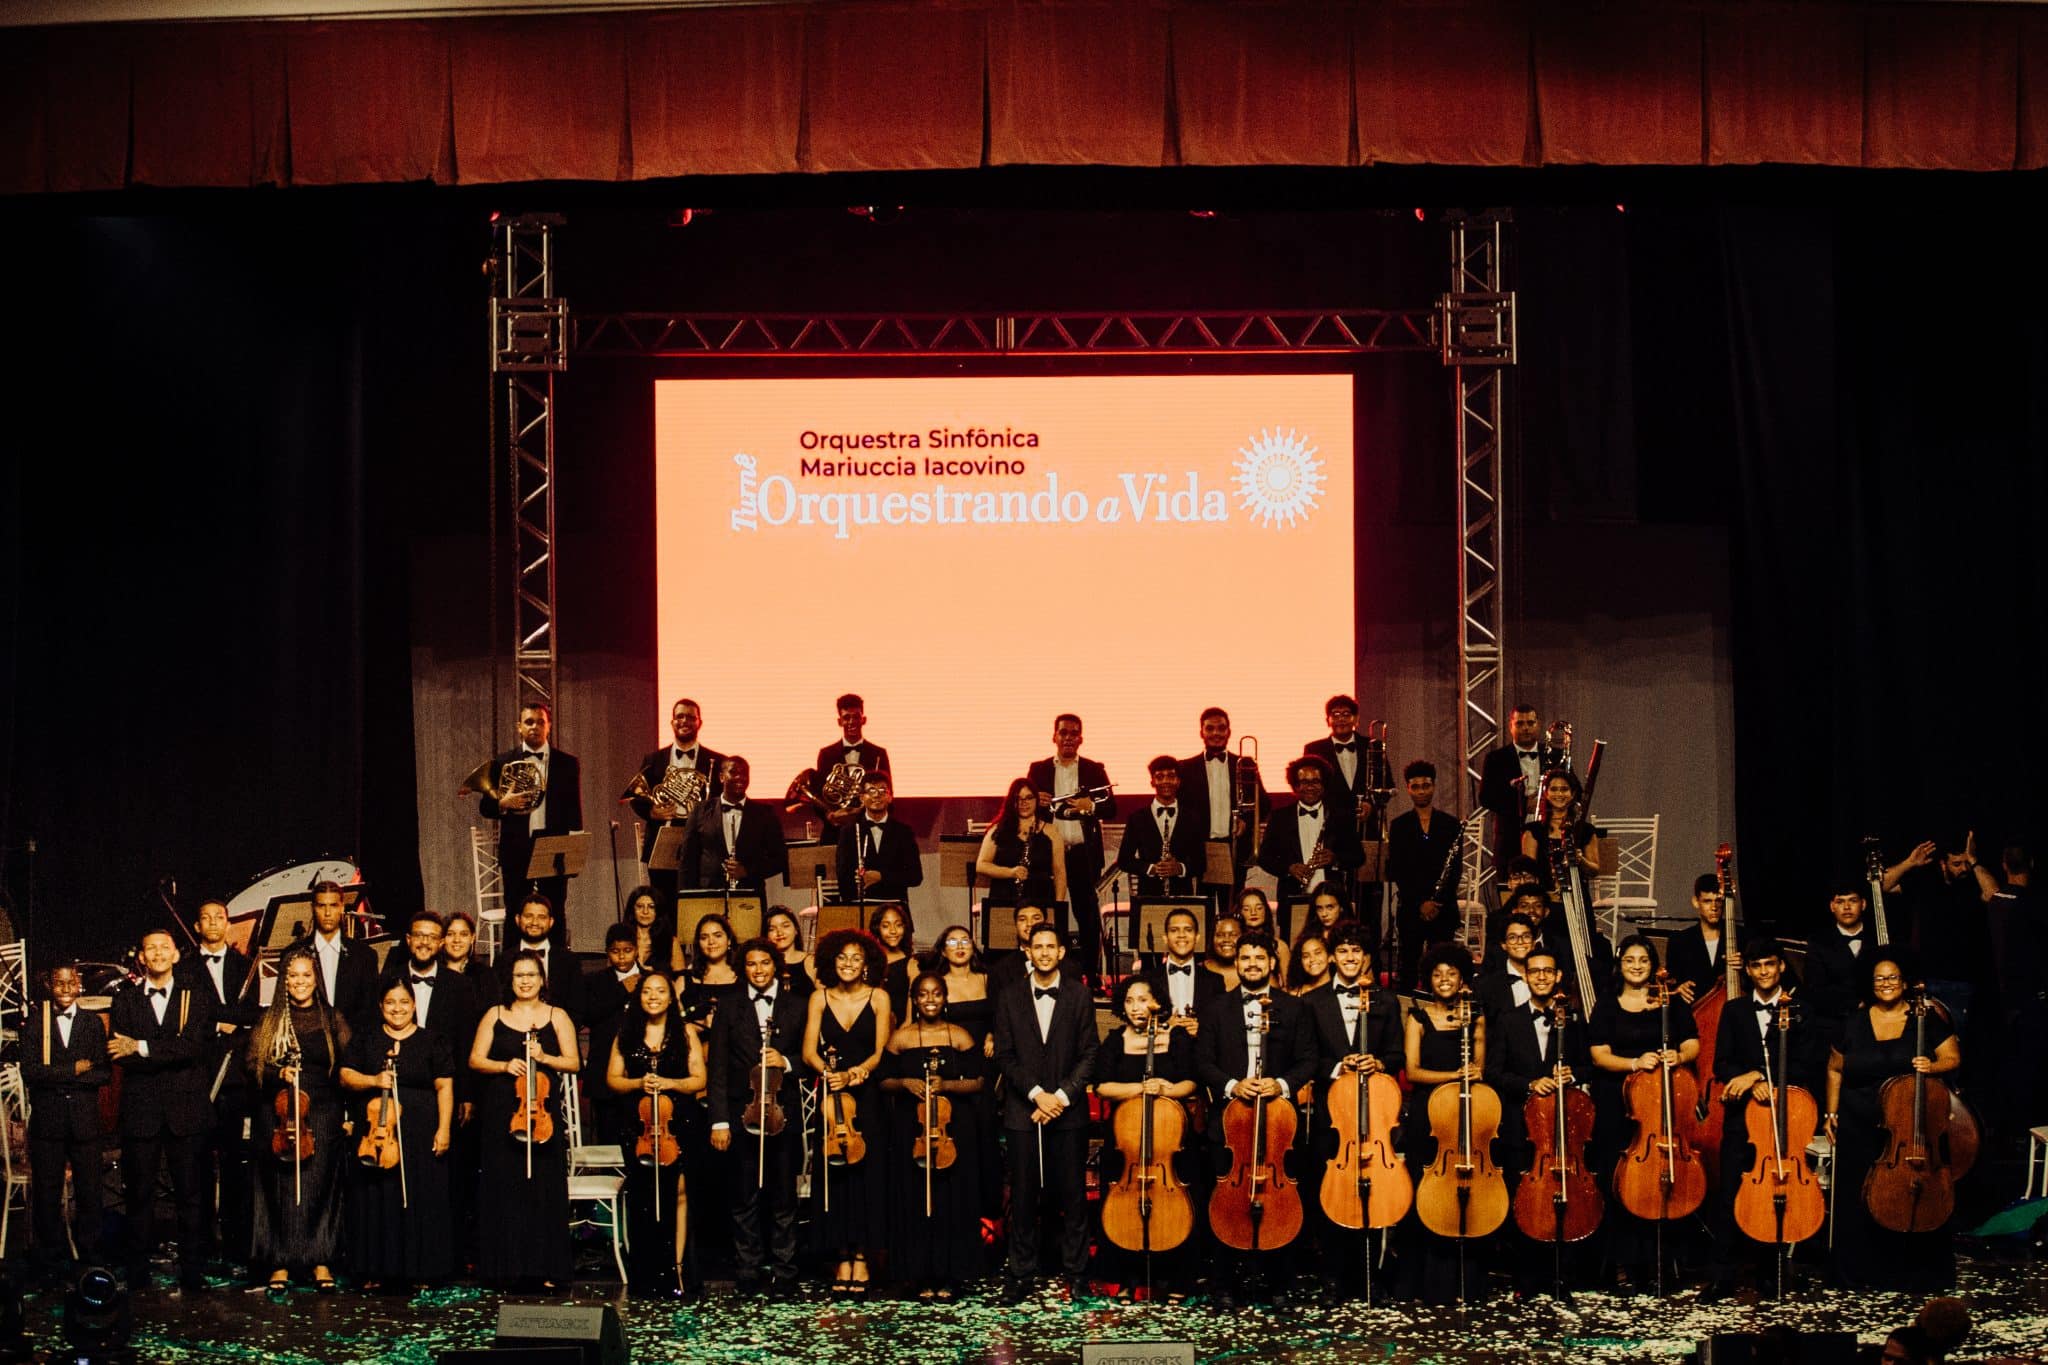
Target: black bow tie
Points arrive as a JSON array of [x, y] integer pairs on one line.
[[1351, 991], [686, 755], [768, 995], [1188, 970], [1312, 810], [155, 991], [1766, 1007], [1044, 992], [729, 805], [1258, 999], [68, 1015], [1349, 747], [213, 957], [419, 980], [1214, 755]]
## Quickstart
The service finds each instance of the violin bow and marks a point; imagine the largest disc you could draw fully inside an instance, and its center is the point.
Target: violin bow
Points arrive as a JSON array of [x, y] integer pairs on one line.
[[398, 1124]]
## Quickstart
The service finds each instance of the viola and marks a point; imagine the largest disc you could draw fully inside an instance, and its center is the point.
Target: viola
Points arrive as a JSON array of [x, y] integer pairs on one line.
[[933, 1148], [844, 1145], [1257, 1207], [1463, 1193], [1556, 1201], [1780, 1200], [763, 1115], [1912, 1186], [379, 1148], [1661, 1176], [1148, 1208], [532, 1123], [292, 1138], [1367, 1184], [656, 1145]]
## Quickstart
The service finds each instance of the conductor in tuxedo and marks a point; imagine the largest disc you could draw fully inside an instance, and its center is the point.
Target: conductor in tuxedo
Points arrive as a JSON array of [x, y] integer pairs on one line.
[[878, 858], [224, 972], [1045, 1049], [1311, 843], [557, 810], [1208, 791], [1079, 826], [346, 967], [1162, 848], [1511, 778], [733, 840], [764, 1205], [160, 1038], [1179, 983], [685, 721], [64, 1065]]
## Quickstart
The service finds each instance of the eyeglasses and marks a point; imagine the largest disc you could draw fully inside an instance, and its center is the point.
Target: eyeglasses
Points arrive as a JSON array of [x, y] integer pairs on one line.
[[1519, 938], [1539, 971], [1886, 980]]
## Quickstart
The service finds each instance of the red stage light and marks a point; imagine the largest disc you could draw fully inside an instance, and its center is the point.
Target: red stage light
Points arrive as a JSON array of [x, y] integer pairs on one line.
[[1420, 216]]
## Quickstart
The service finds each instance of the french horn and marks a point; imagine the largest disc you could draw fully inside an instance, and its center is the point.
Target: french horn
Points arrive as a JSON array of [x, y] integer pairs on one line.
[[520, 786]]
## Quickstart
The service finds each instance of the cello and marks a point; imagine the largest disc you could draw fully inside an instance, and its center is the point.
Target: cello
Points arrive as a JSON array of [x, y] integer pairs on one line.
[[1912, 1186], [1257, 1207], [1148, 1208], [1779, 1201], [1462, 1193], [1365, 1185], [1660, 1176], [1556, 1201], [1708, 1116]]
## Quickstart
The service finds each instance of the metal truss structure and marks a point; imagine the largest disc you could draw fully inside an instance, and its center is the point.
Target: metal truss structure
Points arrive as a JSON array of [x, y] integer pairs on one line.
[[529, 331]]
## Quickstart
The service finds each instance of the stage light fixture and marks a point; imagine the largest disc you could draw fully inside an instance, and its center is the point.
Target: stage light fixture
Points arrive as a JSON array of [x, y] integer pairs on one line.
[[97, 1318]]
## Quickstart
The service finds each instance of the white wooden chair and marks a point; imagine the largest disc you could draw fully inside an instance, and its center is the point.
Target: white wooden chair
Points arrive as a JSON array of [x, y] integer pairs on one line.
[[597, 1179], [1631, 888], [490, 891], [13, 988], [1475, 869], [13, 1160]]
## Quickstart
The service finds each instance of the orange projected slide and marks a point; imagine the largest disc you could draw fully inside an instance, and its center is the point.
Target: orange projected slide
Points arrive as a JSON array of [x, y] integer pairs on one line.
[[975, 555]]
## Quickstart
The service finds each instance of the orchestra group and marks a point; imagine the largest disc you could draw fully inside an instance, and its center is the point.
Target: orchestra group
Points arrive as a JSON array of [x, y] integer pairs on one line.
[[1325, 1091]]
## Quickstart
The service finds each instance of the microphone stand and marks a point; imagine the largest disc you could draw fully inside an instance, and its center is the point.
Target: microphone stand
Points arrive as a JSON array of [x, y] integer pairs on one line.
[[617, 894]]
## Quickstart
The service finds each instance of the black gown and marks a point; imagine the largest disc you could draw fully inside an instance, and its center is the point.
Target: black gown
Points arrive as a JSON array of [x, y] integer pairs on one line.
[[1867, 1254], [711, 1194], [522, 1223], [1429, 1270], [650, 1260], [1115, 1066], [978, 1017], [297, 1218], [859, 1190], [392, 1233], [1631, 1242], [1038, 886], [946, 1247]]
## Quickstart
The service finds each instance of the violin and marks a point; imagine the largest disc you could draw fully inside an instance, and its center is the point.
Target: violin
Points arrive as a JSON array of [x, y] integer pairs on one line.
[[1366, 1185], [763, 1115], [532, 1124], [934, 1148], [1555, 1201], [1708, 1116], [1780, 1200], [292, 1139], [844, 1145], [1257, 1207], [1912, 1186], [379, 1148], [1661, 1176], [656, 1145], [1148, 1208], [1463, 1193]]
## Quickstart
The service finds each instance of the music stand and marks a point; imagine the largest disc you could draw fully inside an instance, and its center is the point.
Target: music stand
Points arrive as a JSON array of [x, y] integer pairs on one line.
[[1219, 867], [559, 855], [1148, 919], [810, 863], [999, 923], [847, 914], [957, 855], [667, 853], [742, 910]]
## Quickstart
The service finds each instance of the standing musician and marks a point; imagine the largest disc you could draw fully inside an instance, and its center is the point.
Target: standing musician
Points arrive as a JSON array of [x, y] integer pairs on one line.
[[159, 1037], [346, 968], [762, 1027], [1423, 845], [1162, 850], [1232, 1046], [557, 810], [735, 842], [654, 931], [939, 1249], [846, 1028], [400, 1228], [1838, 964], [1013, 965], [1208, 789], [446, 1007], [688, 753], [1344, 778], [64, 1065], [224, 1166], [1357, 1031], [1180, 985], [1045, 1051], [611, 995], [294, 1057], [1694, 953], [1070, 779], [1522, 1060], [561, 968], [853, 751], [1433, 1049], [1309, 844], [1510, 779], [1119, 1076], [780, 927], [522, 1049], [1554, 822], [878, 858], [657, 1056], [1019, 855]]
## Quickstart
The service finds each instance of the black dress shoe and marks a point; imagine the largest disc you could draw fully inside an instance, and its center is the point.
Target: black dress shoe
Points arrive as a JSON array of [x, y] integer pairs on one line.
[[1015, 1291], [1715, 1291]]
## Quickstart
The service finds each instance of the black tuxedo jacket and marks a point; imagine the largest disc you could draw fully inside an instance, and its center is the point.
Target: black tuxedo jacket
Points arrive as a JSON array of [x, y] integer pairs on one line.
[[1142, 847], [1739, 1048], [63, 1103], [1281, 848], [1495, 995], [607, 1002], [1208, 985], [1416, 861], [1384, 1035], [1499, 794], [1222, 1057], [1685, 956], [564, 814], [1194, 799], [1555, 935], [1063, 1060], [1093, 774], [1335, 788], [564, 979], [167, 1089], [898, 861], [761, 847], [654, 767], [873, 758], [1835, 976], [233, 1007], [355, 994], [1513, 1058], [736, 1051]]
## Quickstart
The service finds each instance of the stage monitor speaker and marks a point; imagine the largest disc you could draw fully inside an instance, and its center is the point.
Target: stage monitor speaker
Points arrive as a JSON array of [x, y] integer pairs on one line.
[[514, 1355], [1781, 1347], [591, 1331]]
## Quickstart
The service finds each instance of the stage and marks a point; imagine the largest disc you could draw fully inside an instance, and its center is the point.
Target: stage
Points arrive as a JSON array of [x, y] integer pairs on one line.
[[2009, 1301]]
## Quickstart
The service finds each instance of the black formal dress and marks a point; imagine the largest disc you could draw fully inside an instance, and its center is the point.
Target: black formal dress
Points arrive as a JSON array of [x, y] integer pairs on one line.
[[651, 1259], [1631, 1242], [1037, 888], [1867, 1254], [401, 1229], [563, 974], [522, 1221], [1116, 1066], [165, 1117], [64, 1126], [859, 1189], [978, 1017], [1059, 1058], [943, 1247], [297, 1222]]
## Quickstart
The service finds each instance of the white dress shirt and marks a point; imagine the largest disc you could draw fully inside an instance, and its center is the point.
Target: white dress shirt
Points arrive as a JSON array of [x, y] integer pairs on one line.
[[1066, 781], [1308, 826], [1217, 770], [329, 951], [1180, 986], [537, 818]]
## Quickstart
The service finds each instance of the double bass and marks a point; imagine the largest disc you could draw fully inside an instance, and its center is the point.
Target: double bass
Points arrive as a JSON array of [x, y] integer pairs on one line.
[[1148, 1208], [1708, 1116], [1463, 1193], [1257, 1207], [1780, 1201], [1660, 1175], [1912, 1186], [1556, 1200]]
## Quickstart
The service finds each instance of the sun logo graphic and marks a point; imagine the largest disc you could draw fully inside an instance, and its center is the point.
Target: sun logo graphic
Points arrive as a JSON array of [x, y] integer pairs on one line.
[[1279, 479]]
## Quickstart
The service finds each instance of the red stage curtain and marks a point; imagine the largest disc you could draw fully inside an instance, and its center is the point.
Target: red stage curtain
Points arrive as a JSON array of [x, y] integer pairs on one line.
[[23, 162], [539, 101], [1943, 87], [716, 92], [1259, 84], [1078, 84], [369, 102], [1785, 83], [209, 105], [894, 88], [1618, 84], [2033, 148], [1443, 81]]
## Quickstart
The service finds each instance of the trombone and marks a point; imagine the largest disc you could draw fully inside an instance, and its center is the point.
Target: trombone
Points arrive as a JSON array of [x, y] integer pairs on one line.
[[1245, 787]]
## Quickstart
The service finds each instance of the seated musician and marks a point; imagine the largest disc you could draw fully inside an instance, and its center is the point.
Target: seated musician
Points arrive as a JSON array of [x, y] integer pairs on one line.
[[1180, 984], [1522, 1059], [1504, 986], [878, 858], [1694, 953], [1119, 1077], [1163, 850]]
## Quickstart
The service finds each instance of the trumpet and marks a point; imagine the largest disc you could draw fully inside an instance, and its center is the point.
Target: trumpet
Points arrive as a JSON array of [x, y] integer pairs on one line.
[[683, 788], [1059, 807], [520, 786]]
